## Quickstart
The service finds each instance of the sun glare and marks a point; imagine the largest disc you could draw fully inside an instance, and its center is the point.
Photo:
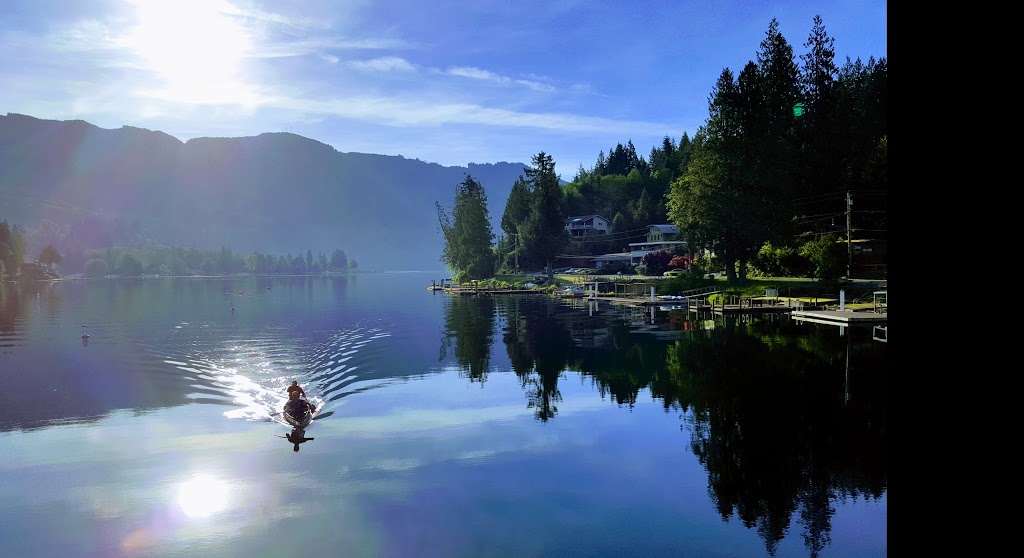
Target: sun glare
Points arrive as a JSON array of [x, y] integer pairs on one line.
[[194, 46], [202, 496]]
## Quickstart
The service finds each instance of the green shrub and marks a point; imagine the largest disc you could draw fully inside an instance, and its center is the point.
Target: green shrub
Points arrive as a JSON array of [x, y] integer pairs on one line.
[[827, 258], [679, 283]]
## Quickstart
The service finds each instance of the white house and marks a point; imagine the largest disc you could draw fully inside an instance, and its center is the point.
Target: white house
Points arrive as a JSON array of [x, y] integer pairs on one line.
[[638, 250], [587, 225], [659, 237], [657, 233]]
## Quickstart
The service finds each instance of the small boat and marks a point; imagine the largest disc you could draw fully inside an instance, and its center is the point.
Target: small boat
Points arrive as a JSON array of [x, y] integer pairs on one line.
[[299, 422], [574, 292]]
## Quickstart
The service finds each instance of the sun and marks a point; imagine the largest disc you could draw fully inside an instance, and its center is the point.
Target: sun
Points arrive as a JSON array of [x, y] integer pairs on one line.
[[195, 47]]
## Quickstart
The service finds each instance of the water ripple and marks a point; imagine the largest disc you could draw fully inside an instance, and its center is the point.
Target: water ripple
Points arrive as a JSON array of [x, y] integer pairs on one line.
[[251, 374]]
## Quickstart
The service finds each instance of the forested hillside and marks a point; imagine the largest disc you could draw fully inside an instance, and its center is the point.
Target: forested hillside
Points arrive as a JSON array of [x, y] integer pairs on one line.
[[79, 186]]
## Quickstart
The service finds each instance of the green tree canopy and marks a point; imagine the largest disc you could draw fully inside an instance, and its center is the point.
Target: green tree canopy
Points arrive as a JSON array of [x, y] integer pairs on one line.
[[544, 233], [12, 247], [49, 256], [467, 233], [517, 208]]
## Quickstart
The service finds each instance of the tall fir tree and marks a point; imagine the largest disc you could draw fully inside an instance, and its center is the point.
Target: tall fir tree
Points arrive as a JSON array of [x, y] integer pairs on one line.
[[467, 233], [544, 233]]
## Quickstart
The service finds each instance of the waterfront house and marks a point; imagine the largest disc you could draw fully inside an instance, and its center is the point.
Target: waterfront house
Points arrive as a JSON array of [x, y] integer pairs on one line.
[[587, 225], [660, 233]]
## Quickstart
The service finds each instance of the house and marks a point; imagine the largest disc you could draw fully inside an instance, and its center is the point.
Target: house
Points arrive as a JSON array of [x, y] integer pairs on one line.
[[659, 238], [587, 225], [605, 260], [573, 261], [638, 250], [658, 233], [37, 272]]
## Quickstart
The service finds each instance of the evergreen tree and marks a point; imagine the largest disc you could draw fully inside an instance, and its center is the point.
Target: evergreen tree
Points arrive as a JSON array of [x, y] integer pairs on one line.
[[339, 262], [517, 208], [49, 256], [467, 233], [12, 248], [822, 152], [544, 233]]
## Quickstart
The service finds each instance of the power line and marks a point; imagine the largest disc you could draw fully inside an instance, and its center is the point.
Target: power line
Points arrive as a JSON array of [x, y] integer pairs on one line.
[[608, 239], [817, 198]]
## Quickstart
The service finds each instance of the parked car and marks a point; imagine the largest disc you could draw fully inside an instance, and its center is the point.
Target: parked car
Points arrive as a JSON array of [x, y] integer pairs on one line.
[[673, 272]]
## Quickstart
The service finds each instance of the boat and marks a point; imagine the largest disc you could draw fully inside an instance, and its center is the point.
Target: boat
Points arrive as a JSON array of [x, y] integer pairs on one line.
[[299, 422], [574, 292]]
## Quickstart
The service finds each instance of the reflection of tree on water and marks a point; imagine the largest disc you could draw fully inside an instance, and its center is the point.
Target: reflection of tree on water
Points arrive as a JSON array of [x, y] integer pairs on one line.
[[538, 346], [469, 329], [545, 338], [782, 420], [14, 297], [770, 422], [11, 307]]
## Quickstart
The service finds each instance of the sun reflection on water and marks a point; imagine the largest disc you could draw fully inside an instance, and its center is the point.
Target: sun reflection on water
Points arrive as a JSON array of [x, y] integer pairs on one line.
[[203, 496]]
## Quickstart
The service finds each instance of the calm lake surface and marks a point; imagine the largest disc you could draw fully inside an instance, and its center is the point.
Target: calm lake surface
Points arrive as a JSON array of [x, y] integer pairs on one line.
[[452, 426]]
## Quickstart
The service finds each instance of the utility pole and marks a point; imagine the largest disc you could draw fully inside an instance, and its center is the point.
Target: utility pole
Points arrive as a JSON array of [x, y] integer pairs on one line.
[[517, 251], [849, 246]]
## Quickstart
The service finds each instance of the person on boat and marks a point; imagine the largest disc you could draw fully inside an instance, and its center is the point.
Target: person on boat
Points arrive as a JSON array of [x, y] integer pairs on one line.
[[295, 387], [297, 437], [295, 406]]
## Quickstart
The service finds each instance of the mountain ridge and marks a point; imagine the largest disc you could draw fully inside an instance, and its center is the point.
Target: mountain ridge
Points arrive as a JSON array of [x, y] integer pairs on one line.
[[274, 193]]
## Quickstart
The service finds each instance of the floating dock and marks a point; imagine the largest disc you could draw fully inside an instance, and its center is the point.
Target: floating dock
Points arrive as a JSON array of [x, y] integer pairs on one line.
[[840, 317]]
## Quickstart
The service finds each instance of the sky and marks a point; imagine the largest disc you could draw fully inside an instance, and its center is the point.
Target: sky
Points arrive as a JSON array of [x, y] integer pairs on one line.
[[442, 81]]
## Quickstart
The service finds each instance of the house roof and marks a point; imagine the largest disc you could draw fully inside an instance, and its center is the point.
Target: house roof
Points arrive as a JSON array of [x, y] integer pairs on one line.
[[582, 218], [667, 229], [612, 257], [659, 243]]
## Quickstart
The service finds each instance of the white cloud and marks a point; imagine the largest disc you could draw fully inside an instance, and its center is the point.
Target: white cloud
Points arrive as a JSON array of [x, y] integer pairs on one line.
[[384, 64], [397, 111], [317, 45], [484, 75]]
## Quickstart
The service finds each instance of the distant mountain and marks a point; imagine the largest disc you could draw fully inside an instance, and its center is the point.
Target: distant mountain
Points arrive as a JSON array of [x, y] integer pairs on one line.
[[275, 193]]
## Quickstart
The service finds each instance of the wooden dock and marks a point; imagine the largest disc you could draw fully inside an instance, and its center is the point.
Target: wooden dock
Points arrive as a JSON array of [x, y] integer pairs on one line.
[[840, 317], [486, 291], [747, 305], [818, 310]]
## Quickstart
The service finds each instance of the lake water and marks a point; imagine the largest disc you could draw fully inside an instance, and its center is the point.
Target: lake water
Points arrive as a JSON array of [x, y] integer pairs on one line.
[[451, 427]]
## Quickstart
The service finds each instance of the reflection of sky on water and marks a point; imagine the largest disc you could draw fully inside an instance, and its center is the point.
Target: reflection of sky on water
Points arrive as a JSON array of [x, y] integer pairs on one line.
[[415, 468], [415, 456]]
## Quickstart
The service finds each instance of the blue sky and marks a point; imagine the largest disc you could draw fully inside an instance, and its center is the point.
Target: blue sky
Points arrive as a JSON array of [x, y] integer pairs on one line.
[[443, 81]]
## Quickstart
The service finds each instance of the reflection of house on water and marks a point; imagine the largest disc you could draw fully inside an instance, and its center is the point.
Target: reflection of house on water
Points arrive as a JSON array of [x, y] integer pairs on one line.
[[585, 332], [653, 320]]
